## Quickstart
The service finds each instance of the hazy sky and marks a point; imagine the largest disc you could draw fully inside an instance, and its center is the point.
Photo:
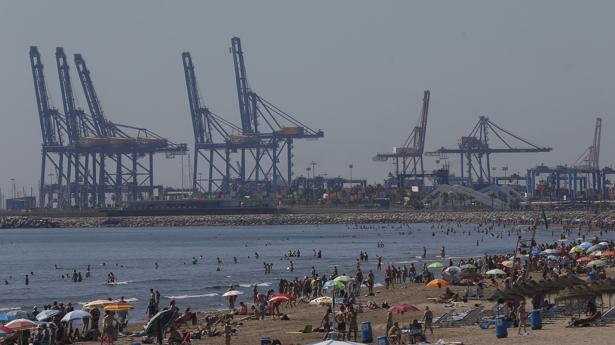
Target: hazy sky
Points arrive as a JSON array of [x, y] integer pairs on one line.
[[356, 69]]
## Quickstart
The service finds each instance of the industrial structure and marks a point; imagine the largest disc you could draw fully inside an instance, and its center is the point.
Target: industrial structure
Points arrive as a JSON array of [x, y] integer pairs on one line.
[[95, 161], [264, 140], [476, 148], [408, 159], [584, 179]]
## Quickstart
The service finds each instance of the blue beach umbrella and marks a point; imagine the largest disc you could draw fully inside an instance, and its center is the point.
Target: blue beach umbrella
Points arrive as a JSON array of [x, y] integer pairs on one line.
[[47, 314], [552, 257], [585, 245]]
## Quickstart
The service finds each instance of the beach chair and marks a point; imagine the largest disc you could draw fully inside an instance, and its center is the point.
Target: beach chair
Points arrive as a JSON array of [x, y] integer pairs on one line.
[[604, 318], [446, 317], [472, 316]]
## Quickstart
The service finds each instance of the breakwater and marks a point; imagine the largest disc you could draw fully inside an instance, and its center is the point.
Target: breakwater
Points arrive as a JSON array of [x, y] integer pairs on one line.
[[583, 219]]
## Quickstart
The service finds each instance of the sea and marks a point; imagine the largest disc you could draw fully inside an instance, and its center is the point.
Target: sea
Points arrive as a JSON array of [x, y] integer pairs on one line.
[[187, 268]]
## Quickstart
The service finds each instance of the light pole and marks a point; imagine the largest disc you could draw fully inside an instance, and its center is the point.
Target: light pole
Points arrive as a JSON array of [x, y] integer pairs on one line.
[[313, 164], [350, 166], [13, 190]]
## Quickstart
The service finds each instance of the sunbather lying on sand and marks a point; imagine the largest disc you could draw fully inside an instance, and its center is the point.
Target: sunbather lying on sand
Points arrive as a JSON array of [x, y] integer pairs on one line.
[[584, 322]]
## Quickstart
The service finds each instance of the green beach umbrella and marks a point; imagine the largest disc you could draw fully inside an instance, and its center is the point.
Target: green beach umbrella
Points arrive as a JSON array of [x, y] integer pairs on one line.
[[435, 265], [343, 279]]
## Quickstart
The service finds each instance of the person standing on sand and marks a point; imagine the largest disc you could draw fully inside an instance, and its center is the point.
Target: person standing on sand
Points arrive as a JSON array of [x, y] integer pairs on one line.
[[428, 320], [351, 317], [326, 323], [521, 316]]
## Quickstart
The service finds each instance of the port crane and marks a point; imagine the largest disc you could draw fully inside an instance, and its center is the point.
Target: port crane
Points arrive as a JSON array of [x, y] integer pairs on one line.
[[408, 159]]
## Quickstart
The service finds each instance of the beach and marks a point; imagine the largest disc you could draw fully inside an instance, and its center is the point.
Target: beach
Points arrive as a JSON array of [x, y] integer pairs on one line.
[[553, 332]]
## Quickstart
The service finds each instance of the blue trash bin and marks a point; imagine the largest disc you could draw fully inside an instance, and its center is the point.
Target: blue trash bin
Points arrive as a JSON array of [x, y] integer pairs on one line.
[[501, 329], [265, 340], [366, 332], [536, 319], [382, 340]]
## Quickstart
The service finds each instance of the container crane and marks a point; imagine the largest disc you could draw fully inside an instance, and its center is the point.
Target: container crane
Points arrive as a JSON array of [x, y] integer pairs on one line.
[[477, 149], [281, 129], [408, 158]]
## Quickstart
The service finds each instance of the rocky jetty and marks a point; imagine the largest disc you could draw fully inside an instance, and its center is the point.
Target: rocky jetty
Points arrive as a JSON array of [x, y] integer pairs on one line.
[[568, 218]]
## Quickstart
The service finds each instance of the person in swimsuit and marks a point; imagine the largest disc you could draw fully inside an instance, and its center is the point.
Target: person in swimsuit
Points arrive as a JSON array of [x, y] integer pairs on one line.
[[326, 325], [428, 319], [340, 319], [353, 326]]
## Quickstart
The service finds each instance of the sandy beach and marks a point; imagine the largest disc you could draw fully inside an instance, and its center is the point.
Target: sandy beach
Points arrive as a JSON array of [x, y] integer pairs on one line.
[[553, 331]]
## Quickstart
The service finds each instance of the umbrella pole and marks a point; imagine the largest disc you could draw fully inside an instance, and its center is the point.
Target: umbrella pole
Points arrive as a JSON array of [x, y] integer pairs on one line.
[[333, 313]]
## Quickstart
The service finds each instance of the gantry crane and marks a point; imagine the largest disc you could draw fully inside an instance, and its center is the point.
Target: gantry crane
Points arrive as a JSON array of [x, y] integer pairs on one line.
[[590, 159], [266, 129], [215, 140], [477, 149], [85, 140], [408, 158]]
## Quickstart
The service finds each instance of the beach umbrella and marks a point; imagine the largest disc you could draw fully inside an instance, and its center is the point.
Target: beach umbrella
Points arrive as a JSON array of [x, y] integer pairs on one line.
[[232, 293], [595, 248], [290, 297], [435, 265], [5, 331], [552, 257], [603, 243], [596, 253], [507, 263], [584, 259], [550, 251], [344, 279], [164, 318], [279, 299], [96, 304], [76, 315], [467, 267], [119, 306], [575, 250], [402, 308], [21, 325], [597, 263], [325, 300], [453, 270], [47, 314], [437, 283], [333, 284], [585, 245], [9, 315], [335, 342], [608, 253], [495, 272]]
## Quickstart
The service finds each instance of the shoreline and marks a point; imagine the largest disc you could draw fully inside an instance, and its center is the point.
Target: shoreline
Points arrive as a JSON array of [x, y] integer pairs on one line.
[[584, 219]]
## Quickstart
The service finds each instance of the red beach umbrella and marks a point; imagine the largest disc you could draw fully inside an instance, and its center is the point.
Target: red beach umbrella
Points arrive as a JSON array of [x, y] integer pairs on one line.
[[584, 259], [279, 299], [402, 308]]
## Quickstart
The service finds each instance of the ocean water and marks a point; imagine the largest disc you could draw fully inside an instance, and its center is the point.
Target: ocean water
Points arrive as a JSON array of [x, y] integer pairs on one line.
[[131, 254]]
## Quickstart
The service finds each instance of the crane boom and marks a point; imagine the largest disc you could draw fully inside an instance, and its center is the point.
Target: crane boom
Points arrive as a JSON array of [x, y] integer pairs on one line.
[[47, 115], [102, 126], [200, 125], [248, 122], [597, 135], [68, 100]]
